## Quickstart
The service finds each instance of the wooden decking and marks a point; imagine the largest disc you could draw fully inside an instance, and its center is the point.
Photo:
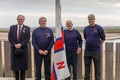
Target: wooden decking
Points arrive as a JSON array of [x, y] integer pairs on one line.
[[14, 79], [26, 79]]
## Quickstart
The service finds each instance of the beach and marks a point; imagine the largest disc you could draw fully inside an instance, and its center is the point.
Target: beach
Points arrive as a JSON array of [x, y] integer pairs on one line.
[[4, 35]]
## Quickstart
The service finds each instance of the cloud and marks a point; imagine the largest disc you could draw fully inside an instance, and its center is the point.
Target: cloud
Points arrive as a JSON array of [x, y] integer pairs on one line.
[[76, 10], [27, 5], [116, 4]]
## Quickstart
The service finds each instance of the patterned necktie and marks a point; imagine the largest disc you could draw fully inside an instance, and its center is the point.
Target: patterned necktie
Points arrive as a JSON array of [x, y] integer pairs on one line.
[[19, 33]]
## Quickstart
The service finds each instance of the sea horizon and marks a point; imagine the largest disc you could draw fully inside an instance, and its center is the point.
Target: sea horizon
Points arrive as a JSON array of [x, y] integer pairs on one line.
[[80, 28]]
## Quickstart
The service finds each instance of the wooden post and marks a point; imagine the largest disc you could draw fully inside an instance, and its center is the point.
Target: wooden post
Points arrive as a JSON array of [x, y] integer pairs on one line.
[[101, 63], [92, 71], [109, 61], [29, 71], [117, 77], [8, 72], [79, 66], [1, 71]]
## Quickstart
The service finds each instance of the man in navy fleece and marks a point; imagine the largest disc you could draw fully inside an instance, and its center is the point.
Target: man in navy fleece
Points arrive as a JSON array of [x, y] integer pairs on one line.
[[94, 36], [42, 40], [73, 44]]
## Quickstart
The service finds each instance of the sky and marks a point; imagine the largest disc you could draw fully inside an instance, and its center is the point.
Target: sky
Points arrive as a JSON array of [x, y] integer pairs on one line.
[[107, 12]]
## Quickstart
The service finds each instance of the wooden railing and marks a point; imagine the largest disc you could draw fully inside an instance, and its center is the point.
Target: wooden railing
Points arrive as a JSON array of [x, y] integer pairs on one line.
[[110, 61]]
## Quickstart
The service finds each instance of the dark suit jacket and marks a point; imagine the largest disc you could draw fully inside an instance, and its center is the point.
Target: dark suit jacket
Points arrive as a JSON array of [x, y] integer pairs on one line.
[[19, 62]]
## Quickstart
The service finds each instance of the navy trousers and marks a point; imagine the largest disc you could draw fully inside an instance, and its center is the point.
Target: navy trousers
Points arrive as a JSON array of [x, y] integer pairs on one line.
[[72, 61], [88, 57], [47, 66]]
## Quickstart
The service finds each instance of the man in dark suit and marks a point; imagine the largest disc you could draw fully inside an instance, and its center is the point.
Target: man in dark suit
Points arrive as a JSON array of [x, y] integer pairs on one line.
[[18, 37]]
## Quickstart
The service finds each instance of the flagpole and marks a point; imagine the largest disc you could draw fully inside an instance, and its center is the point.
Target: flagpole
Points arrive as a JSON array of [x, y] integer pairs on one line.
[[58, 13], [60, 63]]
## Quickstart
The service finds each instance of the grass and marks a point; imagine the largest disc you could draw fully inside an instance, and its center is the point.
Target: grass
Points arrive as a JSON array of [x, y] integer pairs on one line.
[[106, 29], [112, 30]]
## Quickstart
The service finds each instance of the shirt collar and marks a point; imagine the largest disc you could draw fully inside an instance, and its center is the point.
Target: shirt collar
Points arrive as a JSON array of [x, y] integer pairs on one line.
[[92, 26], [43, 27], [70, 29], [20, 25]]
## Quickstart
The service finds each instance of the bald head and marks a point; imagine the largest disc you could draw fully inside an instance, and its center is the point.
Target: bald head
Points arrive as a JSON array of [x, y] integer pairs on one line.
[[69, 24]]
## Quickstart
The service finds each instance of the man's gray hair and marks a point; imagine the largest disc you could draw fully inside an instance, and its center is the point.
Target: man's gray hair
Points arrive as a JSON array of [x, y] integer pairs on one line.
[[91, 16], [21, 15], [42, 18]]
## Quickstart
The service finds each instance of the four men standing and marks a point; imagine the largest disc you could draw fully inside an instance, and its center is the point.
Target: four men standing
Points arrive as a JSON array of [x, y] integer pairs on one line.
[[43, 40]]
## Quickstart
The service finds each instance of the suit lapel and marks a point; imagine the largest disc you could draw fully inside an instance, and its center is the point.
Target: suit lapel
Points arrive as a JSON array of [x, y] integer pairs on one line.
[[22, 31], [15, 32]]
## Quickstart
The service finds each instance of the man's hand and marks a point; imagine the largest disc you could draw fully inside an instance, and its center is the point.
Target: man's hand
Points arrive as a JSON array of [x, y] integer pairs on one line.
[[18, 45], [45, 52], [101, 41], [40, 52], [78, 50]]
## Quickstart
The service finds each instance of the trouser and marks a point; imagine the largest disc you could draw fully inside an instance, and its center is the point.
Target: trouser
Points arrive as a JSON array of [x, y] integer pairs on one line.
[[19, 74], [47, 66], [88, 57], [72, 60]]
